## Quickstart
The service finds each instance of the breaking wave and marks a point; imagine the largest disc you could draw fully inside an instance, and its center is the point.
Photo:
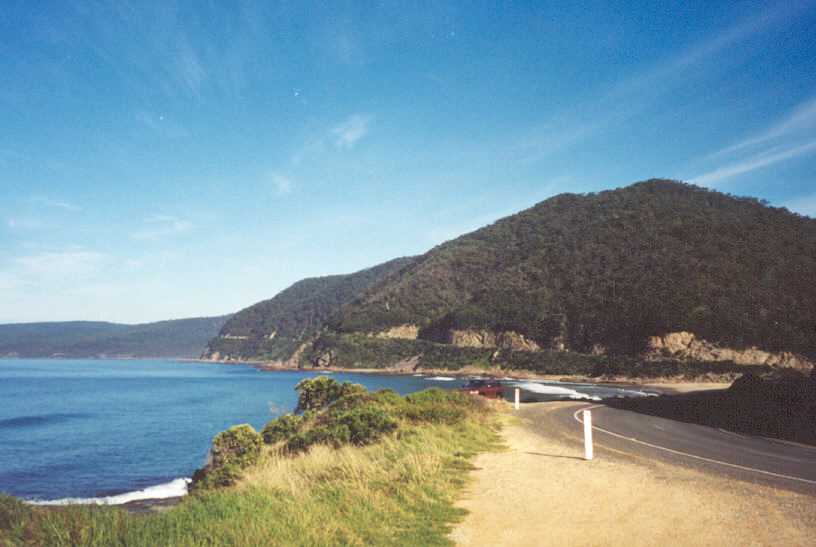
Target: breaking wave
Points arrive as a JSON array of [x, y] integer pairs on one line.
[[556, 391], [173, 489]]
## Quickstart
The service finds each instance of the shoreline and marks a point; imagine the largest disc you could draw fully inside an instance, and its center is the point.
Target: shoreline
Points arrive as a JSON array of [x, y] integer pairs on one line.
[[663, 384]]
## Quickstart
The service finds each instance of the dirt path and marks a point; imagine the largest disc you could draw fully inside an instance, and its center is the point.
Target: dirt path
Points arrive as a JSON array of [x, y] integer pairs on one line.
[[540, 493]]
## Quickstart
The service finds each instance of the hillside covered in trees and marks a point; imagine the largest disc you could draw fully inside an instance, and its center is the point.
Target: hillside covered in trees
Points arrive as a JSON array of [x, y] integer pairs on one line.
[[274, 328], [182, 338], [590, 274]]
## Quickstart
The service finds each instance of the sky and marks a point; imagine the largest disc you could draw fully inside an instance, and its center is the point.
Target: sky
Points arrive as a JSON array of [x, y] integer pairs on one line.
[[176, 159]]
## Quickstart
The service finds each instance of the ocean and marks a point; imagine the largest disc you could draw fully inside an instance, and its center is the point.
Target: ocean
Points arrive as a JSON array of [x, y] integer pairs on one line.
[[112, 431]]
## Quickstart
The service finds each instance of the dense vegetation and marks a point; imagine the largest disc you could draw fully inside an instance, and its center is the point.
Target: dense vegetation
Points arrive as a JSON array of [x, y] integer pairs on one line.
[[79, 339], [595, 273], [614, 268], [358, 468], [294, 314]]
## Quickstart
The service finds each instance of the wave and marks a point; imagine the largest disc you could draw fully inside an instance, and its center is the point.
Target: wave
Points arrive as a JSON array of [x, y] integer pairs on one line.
[[173, 489], [557, 391], [441, 378]]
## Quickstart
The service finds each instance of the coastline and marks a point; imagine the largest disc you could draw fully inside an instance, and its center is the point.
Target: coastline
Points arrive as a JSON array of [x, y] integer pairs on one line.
[[662, 384]]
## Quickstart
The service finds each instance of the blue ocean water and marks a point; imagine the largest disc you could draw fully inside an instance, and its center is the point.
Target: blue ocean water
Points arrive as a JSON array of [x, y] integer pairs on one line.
[[98, 428]]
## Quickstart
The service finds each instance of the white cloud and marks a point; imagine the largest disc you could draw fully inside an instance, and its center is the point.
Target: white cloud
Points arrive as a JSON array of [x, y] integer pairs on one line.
[[160, 226], [350, 131], [58, 204], [283, 184], [800, 119], [752, 163]]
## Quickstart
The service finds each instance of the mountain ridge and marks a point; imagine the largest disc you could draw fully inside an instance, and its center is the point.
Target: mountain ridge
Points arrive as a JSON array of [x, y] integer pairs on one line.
[[173, 338], [599, 274]]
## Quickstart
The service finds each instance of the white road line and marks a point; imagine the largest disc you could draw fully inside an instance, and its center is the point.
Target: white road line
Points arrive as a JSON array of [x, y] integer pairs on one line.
[[686, 454]]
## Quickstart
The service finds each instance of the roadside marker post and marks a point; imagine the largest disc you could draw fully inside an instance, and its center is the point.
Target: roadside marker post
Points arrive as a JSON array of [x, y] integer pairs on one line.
[[587, 434], [518, 398]]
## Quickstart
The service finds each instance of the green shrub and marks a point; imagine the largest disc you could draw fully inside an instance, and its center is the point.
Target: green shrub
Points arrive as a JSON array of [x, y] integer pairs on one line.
[[335, 435], [282, 428], [232, 451], [317, 393], [436, 413], [440, 396], [367, 424], [239, 445]]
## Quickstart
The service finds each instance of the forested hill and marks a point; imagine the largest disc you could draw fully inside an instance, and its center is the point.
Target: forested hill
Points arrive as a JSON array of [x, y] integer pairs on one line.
[[180, 338], [606, 271], [274, 328]]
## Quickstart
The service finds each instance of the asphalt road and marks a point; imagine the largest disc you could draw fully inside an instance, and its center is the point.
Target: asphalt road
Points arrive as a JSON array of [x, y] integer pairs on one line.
[[623, 433]]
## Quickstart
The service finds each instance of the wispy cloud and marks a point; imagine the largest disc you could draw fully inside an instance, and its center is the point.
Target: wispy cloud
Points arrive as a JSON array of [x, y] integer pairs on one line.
[[161, 226], [282, 184], [630, 95], [753, 163], [72, 263], [351, 130], [189, 70], [800, 119], [56, 204]]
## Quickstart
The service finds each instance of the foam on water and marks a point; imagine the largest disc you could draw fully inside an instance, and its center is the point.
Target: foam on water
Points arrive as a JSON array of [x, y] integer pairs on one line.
[[556, 391], [173, 489], [441, 378]]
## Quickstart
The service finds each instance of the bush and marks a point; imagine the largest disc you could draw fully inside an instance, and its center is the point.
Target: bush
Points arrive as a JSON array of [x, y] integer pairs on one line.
[[282, 428], [367, 424], [232, 451], [317, 393], [439, 406], [335, 435], [239, 445]]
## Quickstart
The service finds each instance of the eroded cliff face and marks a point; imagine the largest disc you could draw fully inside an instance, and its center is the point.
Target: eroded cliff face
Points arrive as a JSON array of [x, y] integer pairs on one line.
[[482, 338], [408, 332], [686, 346]]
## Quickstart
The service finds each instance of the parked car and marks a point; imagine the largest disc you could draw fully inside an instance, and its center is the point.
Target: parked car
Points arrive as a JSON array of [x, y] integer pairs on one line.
[[486, 388]]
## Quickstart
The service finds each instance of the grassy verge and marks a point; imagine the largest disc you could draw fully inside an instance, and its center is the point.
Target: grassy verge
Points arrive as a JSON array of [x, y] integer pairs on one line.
[[397, 488]]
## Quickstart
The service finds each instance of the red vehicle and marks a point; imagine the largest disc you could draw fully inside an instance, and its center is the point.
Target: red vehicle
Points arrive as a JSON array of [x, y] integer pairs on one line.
[[492, 389]]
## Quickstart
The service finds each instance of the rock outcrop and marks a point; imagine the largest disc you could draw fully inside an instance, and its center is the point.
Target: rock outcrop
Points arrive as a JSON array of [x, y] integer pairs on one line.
[[482, 338], [686, 346], [408, 332]]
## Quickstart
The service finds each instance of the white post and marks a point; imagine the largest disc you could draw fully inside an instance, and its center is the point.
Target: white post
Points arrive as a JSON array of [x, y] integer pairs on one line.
[[518, 397], [587, 435]]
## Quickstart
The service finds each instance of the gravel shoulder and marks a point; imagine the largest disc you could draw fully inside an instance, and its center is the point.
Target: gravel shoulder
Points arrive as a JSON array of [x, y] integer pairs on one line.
[[540, 492]]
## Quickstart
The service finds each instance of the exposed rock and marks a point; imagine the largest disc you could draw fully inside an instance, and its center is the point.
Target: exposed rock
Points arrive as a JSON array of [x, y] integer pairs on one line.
[[234, 337], [482, 338], [409, 332], [472, 338], [598, 349], [325, 359], [514, 341], [685, 345]]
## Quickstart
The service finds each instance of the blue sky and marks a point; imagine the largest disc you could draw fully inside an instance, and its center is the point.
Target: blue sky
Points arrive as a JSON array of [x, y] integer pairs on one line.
[[162, 160]]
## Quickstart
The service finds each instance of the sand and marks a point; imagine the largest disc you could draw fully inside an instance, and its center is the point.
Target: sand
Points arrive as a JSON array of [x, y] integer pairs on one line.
[[540, 492]]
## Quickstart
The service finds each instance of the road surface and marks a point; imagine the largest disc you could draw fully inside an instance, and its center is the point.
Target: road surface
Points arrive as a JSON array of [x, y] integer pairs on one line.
[[623, 433]]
